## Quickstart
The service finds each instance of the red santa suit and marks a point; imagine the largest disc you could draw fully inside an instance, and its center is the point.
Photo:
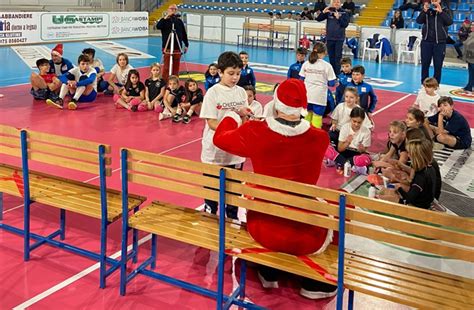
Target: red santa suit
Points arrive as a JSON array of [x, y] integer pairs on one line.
[[280, 150]]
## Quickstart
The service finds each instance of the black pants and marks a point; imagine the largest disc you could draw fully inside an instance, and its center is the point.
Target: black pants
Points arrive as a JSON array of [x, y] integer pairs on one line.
[[347, 155], [432, 51], [335, 54], [230, 211]]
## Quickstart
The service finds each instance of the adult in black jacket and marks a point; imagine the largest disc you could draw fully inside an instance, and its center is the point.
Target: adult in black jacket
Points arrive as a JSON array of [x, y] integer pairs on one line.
[[166, 25], [319, 6], [434, 34], [349, 6], [337, 22]]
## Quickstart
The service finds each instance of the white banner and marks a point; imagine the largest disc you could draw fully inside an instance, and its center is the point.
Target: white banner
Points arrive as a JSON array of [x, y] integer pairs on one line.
[[19, 28], [40, 27]]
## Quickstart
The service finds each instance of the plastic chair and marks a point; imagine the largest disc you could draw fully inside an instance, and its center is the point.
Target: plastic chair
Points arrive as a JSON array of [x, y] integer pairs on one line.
[[403, 50], [459, 17], [368, 49], [464, 7]]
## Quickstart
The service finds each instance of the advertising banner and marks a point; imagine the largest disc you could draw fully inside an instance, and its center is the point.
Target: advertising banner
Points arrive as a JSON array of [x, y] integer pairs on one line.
[[41, 27], [19, 28]]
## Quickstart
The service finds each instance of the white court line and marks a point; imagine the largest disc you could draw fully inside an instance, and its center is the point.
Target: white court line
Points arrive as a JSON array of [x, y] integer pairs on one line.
[[14, 208], [72, 279], [94, 267], [391, 104]]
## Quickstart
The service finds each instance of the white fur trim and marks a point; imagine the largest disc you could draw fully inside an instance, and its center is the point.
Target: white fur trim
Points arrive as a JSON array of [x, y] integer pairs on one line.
[[234, 116], [56, 53], [286, 130], [280, 106], [326, 243]]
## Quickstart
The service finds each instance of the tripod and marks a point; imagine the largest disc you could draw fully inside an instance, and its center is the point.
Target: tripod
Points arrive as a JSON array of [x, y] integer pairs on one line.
[[173, 36]]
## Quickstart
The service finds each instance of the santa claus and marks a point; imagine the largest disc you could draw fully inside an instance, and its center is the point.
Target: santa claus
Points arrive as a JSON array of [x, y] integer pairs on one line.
[[283, 145]]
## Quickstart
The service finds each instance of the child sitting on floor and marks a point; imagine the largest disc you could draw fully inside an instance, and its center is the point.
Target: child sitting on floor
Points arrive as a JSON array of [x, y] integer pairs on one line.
[[80, 82], [44, 85], [154, 89], [354, 139], [132, 94], [342, 112], [192, 102], [212, 76], [427, 99], [172, 98], [254, 105]]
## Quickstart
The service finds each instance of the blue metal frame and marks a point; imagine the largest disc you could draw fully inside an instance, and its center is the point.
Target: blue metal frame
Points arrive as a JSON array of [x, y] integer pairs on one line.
[[49, 239], [341, 250], [147, 267]]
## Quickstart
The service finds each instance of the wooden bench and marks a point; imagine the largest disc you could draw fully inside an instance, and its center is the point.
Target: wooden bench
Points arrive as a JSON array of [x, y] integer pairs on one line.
[[384, 222], [321, 31], [280, 34], [252, 32], [57, 191]]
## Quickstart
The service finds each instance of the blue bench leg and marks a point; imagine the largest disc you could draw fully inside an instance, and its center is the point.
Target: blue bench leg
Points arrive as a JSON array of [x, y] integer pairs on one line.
[[153, 251], [103, 252], [124, 257], [26, 232], [243, 276], [350, 305], [1, 206], [62, 215], [135, 245]]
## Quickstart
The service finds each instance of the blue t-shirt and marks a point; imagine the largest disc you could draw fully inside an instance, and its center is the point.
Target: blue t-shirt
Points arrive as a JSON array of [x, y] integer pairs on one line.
[[456, 126], [368, 99], [344, 79], [211, 80], [294, 70], [247, 77]]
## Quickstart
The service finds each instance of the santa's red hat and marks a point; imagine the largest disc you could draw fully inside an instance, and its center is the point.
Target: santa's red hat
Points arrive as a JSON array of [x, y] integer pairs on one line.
[[290, 97], [57, 50]]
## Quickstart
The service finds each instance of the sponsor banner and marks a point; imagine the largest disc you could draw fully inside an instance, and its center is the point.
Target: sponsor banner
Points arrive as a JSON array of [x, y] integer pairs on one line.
[[115, 48], [19, 28], [38, 27], [72, 26], [29, 54], [456, 92], [128, 24], [457, 170]]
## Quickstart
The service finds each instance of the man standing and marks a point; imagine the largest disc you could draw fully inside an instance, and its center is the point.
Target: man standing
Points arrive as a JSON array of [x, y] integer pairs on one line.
[[174, 26], [337, 22], [287, 137], [435, 22]]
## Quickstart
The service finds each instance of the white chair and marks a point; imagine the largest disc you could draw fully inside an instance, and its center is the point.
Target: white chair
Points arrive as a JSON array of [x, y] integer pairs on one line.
[[367, 50], [403, 50]]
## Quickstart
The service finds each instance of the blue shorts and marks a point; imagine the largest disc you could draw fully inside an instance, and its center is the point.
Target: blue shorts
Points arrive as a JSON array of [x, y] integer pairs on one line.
[[316, 108], [88, 98]]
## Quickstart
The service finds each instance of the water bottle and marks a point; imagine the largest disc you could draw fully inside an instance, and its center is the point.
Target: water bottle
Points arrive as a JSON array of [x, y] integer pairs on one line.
[[372, 191], [347, 169]]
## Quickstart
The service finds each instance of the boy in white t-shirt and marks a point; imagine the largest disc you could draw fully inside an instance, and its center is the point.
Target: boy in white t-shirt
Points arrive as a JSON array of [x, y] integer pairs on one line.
[[354, 140], [223, 97], [317, 74], [97, 64], [427, 99]]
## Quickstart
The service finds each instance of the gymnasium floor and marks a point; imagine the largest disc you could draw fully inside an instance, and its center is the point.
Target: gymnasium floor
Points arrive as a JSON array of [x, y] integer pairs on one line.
[[43, 283]]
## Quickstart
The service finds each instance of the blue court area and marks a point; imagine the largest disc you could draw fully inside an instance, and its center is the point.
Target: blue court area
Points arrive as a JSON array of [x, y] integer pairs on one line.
[[397, 77]]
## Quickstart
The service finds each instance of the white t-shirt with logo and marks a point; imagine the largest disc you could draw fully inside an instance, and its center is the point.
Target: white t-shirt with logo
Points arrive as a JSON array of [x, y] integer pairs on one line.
[[317, 76], [363, 136], [78, 74], [218, 100], [121, 74], [257, 108]]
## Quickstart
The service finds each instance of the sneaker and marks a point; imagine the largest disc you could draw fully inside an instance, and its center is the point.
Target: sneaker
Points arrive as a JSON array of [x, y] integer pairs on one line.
[[267, 281], [331, 153], [134, 108], [359, 170], [164, 115], [177, 118], [57, 104], [186, 119], [312, 289], [329, 163], [108, 92], [72, 105]]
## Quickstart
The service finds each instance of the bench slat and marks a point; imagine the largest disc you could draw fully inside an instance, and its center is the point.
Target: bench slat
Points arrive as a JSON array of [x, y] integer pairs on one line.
[[66, 141], [37, 146], [9, 130], [174, 174], [10, 151], [10, 141], [173, 162]]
